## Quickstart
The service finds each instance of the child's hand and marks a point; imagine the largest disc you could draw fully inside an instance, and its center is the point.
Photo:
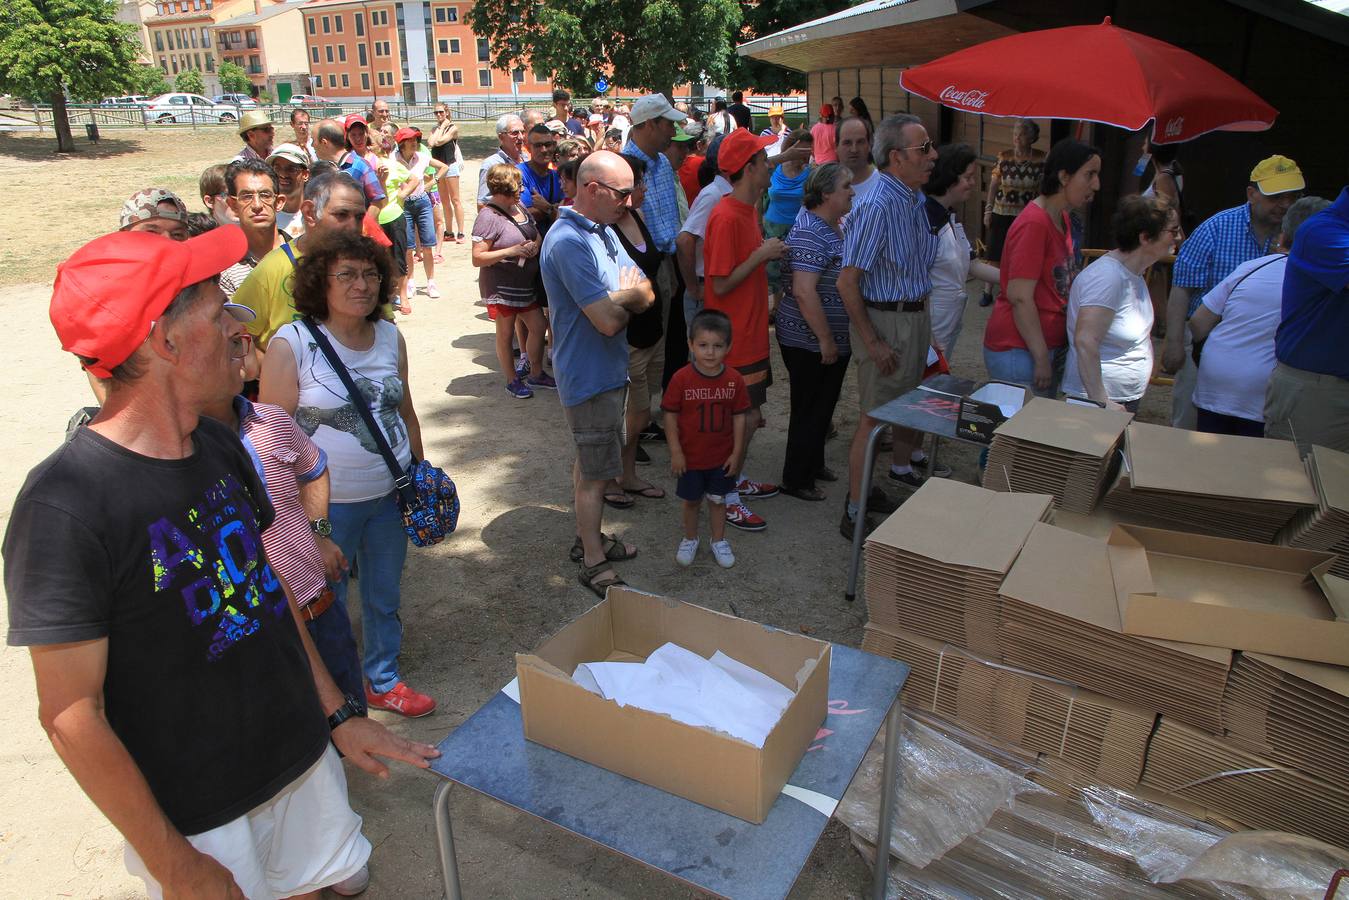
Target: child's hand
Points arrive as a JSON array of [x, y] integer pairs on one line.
[[677, 466], [731, 466]]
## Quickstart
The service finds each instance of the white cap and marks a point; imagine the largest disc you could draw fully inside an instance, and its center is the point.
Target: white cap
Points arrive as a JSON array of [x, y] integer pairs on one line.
[[653, 106]]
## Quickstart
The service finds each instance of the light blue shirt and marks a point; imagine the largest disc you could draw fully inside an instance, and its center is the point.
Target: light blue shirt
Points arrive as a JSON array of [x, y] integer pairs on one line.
[[888, 237], [660, 208], [1220, 244], [580, 262]]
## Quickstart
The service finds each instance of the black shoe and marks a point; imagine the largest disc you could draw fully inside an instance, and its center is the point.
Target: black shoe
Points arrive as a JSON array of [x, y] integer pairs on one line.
[[643, 458], [847, 527], [908, 479], [986, 299], [921, 465], [824, 473], [881, 502], [652, 432]]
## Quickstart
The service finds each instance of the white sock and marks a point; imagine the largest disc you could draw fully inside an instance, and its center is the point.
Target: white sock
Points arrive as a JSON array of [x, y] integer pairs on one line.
[[900, 470], [917, 456]]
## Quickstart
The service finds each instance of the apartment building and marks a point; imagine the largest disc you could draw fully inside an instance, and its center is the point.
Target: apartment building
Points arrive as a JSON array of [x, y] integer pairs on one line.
[[136, 12], [179, 36], [268, 43], [417, 51]]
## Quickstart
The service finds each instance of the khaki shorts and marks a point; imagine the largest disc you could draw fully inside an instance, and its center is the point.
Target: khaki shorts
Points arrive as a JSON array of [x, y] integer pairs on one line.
[[1308, 408], [909, 334], [645, 368], [597, 428]]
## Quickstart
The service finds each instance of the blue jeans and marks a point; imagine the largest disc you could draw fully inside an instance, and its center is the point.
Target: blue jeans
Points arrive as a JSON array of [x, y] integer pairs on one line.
[[420, 213], [332, 637], [1018, 367], [371, 535]]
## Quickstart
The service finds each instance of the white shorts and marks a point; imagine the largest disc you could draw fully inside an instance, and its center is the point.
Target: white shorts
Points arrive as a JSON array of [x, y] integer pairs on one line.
[[305, 838]]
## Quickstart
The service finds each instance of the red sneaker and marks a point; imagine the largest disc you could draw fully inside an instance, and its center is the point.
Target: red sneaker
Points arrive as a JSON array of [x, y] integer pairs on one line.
[[761, 489], [739, 515], [400, 699]]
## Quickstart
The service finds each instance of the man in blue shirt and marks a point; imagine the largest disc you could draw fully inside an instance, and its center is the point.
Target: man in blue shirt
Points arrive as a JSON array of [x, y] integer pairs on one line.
[[541, 189], [593, 290], [1308, 395], [1223, 242]]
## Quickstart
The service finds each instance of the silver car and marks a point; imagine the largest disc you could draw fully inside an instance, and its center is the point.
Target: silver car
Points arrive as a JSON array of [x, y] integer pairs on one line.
[[182, 108]]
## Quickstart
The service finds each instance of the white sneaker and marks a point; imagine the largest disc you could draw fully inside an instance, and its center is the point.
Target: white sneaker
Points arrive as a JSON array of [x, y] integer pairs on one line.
[[356, 884], [722, 551], [432, 291], [688, 548]]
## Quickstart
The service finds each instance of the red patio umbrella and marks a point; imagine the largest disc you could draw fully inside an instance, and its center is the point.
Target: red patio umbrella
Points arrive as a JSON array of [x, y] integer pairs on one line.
[[1097, 73]]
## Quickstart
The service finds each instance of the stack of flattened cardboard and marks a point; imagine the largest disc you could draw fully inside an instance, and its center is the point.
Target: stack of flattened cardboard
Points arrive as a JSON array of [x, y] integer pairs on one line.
[[1326, 527], [1291, 711], [1060, 616], [1099, 737], [1056, 448], [934, 566], [1255, 791], [1223, 485]]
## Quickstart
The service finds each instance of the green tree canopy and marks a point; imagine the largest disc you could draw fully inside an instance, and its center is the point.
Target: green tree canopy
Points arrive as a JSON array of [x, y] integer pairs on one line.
[[645, 45], [51, 47], [189, 80], [234, 80], [149, 80], [760, 19]]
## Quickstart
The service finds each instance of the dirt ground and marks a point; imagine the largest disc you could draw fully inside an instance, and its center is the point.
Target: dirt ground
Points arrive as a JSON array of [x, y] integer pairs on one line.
[[499, 586]]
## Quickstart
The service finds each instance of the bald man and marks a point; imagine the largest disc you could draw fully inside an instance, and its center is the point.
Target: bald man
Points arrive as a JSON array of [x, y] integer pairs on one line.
[[594, 288]]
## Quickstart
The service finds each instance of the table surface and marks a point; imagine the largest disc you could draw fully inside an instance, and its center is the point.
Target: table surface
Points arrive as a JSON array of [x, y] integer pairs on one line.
[[922, 409], [706, 848]]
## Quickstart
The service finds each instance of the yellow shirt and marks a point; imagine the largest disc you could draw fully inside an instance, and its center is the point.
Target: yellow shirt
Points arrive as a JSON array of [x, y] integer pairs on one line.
[[267, 291]]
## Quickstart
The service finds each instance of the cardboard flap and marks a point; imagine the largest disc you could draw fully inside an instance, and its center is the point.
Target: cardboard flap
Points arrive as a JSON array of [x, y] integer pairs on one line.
[[536, 662], [1065, 573], [1217, 465], [1333, 678], [1336, 590], [1081, 429], [1332, 471], [588, 637]]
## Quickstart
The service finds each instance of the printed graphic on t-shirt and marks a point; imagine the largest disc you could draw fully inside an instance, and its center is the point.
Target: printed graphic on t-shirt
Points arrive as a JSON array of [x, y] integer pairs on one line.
[[384, 399], [210, 557]]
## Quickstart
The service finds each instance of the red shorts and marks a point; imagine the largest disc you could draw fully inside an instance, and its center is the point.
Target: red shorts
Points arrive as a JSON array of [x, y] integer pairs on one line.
[[502, 311]]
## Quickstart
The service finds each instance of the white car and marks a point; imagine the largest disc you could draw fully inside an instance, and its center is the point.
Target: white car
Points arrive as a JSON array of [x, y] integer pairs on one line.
[[243, 101], [187, 108], [307, 100], [129, 100]]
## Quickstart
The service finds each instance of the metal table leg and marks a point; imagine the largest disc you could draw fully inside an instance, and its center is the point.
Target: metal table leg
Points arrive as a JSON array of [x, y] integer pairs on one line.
[[932, 454], [889, 781], [449, 863], [859, 526]]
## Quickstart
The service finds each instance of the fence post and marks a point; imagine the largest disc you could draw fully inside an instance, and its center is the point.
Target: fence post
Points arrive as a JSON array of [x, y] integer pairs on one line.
[[37, 117]]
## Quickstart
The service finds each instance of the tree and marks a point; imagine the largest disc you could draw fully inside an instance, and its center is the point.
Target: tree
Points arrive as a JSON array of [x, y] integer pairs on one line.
[[51, 47], [189, 81], [769, 17], [646, 45], [149, 81], [234, 80]]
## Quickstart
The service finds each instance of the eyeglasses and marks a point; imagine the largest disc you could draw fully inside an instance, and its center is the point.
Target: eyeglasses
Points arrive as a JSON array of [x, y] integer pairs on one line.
[[925, 147], [347, 278], [249, 196], [623, 193], [545, 145]]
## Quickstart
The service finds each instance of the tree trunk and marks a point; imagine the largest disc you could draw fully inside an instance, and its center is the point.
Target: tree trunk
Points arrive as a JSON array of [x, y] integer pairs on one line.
[[65, 143], [668, 91]]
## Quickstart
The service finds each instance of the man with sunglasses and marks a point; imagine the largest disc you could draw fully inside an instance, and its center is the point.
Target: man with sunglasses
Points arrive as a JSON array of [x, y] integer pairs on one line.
[[888, 250], [511, 151], [254, 196], [541, 190]]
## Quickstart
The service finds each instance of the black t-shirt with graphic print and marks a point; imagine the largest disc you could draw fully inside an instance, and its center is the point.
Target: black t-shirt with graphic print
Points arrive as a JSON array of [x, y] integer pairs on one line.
[[207, 683]]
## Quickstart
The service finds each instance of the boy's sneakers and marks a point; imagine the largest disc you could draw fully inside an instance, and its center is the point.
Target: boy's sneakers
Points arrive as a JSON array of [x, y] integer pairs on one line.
[[942, 470], [749, 488], [688, 549], [522, 365], [353, 885], [400, 699], [738, 514], [432, 291], [543, 381], [722, 551], [519, 390]]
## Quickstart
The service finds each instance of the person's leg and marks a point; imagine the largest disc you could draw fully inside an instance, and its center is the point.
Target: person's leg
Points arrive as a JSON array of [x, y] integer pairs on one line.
[[426, 230], [438, 210], [689, 513], [383, 551], [597, 430], [505, 329], [532, 321], [636, 415], [716, 519], [798, 460], [447, 208], [857, 452], [822, 414], [348, 521], [456, 207], [521, 337]]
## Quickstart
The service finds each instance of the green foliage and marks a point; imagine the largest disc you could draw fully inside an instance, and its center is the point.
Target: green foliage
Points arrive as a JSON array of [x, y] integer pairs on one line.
[[769, 17], [189, 81], [233, 79], [48, 45], [641, 45], [148, 80]]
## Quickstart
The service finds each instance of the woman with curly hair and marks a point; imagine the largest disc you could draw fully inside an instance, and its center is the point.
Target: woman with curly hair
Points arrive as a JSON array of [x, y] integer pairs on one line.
[[339, 286]]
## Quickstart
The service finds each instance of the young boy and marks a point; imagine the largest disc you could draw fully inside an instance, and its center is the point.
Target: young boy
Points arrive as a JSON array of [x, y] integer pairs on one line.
[[705, 406]]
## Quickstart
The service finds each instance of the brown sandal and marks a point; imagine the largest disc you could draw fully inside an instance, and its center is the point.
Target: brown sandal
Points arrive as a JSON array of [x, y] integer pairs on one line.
[[588, 574], [614, 549]]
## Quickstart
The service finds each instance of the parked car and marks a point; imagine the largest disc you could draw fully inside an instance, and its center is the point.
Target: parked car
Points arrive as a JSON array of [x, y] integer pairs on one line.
[[186, 108], [308, 100], [129, 100], [243, 101]]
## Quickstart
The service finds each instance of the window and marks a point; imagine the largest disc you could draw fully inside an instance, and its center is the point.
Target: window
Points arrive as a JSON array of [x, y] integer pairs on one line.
[[341, 52], [519, 76], [205, 37], [175, 71], [164, 63], [484, 51], [444, 46], [328, 51], [327, 24], [379, 17], [337, 23], [346, 82], [311, 25], [255, 65], [210, 3], [484, 78], [457, 76], [252, 40], [193, 36], [159, 40], [360, 56], [332, 81], [445, 76], [365, 81], [314, 53], [196, 60], [447, 14], [196, 4], [454, 45], [210, 63], [360, 26]]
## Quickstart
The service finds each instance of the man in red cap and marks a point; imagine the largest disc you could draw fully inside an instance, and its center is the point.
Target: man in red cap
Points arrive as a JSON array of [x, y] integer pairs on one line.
[[172, 674], [736, 282]]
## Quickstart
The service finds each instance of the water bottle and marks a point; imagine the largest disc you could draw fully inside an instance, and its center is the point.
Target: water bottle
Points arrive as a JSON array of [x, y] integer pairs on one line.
[[1142, 165]]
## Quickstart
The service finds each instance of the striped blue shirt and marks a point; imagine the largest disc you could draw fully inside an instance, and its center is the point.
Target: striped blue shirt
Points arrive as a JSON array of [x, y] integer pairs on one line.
[[888, 237], [1220, 244], [660, 208]]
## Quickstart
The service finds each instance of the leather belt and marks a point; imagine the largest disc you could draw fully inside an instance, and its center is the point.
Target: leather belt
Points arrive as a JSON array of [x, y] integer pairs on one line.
[[318, 606], [897, 305]]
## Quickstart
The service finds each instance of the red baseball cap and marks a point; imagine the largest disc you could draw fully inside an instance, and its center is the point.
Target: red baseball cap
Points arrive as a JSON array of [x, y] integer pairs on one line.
[[406, 134], [110, 291], [739, 147], [353, 120]]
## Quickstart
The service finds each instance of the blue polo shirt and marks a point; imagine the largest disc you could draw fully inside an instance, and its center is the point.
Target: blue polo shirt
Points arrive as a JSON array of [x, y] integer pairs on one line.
[[1314, 333], [580, 262], [548, 186]]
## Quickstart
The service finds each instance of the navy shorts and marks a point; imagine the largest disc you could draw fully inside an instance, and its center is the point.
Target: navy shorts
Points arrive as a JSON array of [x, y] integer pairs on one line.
[[713, 483]]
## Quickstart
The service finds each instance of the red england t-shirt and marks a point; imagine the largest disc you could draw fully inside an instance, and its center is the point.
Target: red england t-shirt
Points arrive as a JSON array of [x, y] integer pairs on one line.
[[1034, 249], [705, 406], [732, 235]]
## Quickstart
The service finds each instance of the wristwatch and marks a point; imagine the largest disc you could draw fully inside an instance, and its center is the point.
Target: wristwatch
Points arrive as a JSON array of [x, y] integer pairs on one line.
[[344, 712], [322, 527]]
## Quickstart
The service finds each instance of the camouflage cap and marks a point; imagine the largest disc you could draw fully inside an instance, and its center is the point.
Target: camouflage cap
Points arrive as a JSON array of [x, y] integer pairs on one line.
[[148, 204]]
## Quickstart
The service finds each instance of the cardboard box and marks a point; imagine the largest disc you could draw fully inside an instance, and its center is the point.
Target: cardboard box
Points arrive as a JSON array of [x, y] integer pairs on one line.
[[699, 764], [1325, 527], [988, 406], [1226, 593]]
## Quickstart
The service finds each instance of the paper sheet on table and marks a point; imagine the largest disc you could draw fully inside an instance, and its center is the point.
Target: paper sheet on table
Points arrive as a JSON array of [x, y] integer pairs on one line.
[[1008, 398], [932, 356], [721, 693]]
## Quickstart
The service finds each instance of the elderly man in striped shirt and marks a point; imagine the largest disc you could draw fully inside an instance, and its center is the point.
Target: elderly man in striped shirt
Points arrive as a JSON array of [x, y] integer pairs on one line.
[[888, 250]]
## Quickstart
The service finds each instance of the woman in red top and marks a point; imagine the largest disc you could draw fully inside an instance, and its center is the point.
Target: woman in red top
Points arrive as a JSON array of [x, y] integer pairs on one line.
[[824, 136], [1027, 335]]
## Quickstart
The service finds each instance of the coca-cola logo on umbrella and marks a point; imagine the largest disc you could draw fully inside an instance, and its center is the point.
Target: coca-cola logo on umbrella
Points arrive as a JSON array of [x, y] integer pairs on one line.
[[969, 98]]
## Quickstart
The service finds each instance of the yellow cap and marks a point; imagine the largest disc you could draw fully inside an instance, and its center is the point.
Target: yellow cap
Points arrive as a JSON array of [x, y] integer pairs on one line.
[[775, 110], [1277, 175]]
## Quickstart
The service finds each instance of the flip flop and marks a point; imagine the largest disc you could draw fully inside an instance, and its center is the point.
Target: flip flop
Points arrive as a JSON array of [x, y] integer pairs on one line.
[[614, 549], [618, 500], [649, 492], [588, 574]]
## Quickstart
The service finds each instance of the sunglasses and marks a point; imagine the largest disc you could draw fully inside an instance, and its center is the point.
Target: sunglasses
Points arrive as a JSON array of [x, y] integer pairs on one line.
[[925, 147], [623, 193]]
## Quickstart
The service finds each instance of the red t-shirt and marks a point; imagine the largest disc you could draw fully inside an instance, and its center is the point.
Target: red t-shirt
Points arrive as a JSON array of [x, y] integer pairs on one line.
[[705, 406], [1034, 249], [732, 235], [688, 176]]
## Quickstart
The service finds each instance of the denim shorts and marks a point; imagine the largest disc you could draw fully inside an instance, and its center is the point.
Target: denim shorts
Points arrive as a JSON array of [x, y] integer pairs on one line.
[[421, 220], [695, 484]]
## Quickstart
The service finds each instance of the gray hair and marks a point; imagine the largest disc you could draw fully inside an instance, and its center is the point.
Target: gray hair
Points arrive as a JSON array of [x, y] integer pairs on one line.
[[890, 136], [1298, 213], [823, 180], [319, 189], [504, 123]]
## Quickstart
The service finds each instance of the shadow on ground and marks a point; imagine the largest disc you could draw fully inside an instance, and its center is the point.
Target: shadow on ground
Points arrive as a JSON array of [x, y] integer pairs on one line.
[[33, 148]]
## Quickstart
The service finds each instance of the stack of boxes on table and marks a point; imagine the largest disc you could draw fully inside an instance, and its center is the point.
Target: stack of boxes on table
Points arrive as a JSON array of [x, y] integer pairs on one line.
[[1185, 665]]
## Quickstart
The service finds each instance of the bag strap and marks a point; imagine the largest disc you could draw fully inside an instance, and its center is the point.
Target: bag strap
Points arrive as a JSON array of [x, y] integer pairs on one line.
[[401, 482], [290, 254]]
